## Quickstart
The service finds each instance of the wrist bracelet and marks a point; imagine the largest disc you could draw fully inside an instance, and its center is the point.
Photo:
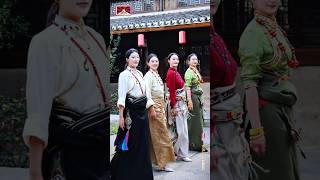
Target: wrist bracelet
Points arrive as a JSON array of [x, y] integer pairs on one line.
[[256, 131], [256, 137]]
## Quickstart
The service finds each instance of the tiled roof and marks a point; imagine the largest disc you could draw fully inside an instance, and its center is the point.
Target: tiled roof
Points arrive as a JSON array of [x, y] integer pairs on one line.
[[161, 19]]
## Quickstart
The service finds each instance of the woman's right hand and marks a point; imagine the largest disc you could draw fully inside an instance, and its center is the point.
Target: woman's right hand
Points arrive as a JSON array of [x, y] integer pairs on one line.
[[190, 105], [121, 122], [258, 145], [152, 113]]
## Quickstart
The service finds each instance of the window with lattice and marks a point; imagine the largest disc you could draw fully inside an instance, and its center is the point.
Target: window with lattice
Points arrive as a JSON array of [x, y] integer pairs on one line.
[[137, 5], [195, 2], [182, 3], [148, 5]]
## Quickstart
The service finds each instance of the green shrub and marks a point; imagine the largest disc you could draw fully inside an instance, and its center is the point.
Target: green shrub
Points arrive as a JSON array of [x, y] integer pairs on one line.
[[114, 99], [10, 26], [113, 128], [14, 153], [114, 53]]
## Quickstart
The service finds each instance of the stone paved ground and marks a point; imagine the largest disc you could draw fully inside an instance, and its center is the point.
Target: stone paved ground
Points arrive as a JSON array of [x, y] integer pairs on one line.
[[197, 169]]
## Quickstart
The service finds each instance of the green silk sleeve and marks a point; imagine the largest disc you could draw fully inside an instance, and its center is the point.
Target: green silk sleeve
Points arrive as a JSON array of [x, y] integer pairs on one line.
[[188, 78], [250, 53]]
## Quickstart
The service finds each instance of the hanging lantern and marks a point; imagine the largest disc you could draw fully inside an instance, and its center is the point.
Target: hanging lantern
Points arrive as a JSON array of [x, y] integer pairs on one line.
[[140, 40], [182, 37]]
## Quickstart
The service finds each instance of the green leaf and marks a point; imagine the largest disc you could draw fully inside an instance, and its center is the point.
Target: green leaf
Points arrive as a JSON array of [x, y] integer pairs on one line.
[[10, 26], [14, 153]]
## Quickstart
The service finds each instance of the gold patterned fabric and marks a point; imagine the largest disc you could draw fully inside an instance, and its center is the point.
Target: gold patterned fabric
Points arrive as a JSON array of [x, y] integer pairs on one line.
[[161, 149]]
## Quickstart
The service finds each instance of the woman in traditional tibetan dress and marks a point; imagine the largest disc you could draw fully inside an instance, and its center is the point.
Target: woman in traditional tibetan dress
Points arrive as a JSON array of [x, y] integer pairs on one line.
[[67, 113], [193, 81], [267, 57], [161, 147], [230, 148], [178, 109], [132, 159]]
